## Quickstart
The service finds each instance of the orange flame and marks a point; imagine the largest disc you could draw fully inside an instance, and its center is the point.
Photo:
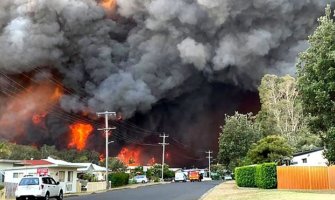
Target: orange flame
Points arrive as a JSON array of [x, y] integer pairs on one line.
[[101, 157], [130, 157], [108, 5], [79, 135], [28, 105]]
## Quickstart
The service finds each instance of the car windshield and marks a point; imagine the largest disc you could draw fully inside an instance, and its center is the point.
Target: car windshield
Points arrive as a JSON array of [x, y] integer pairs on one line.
[[29, 181], [139, 177]]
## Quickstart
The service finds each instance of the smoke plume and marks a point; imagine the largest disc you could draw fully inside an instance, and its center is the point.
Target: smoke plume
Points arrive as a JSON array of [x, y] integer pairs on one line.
[[144, 52]]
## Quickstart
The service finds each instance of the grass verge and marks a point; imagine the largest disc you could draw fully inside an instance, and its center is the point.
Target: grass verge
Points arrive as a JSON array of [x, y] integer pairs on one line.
[[229, 191]]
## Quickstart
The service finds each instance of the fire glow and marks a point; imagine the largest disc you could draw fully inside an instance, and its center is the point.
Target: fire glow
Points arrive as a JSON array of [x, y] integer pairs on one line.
[[31, 104], [79, 135], [108, 5], [130, 157]]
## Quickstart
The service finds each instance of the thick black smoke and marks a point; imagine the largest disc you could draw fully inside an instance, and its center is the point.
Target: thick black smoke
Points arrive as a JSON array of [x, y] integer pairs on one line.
[[153, 52]]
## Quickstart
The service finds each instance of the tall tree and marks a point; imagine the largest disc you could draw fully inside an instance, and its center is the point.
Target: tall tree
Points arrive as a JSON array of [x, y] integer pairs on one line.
[[281, 112], [316, 81], [235, 139], [279, 101]]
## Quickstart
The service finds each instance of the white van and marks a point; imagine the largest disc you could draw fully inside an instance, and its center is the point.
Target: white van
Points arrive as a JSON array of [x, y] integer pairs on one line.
[[179, 177]]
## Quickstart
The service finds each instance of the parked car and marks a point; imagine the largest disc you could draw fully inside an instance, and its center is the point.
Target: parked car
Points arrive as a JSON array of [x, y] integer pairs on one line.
[[43, 187], [141, 179], [227, 177], [180, 177]]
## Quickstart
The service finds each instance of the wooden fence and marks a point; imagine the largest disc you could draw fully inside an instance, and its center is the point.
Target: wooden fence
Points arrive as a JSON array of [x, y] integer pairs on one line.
[[306, 178]]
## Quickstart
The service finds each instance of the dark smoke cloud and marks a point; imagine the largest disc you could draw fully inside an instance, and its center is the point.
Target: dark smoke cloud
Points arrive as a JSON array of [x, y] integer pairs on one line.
[[175, 66], [129, 66]]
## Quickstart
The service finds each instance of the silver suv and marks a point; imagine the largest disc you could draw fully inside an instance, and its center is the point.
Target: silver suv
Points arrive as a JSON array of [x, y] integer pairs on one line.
[[43, 187]]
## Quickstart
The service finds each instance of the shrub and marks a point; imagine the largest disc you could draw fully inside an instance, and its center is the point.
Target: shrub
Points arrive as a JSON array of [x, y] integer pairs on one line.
[[266, 176], [118, 179], [156, 179], [258, 176], [245, 176], [88, 177]]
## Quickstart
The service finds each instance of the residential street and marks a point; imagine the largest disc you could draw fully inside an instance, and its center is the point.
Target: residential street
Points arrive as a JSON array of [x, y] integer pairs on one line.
[[173, 191]]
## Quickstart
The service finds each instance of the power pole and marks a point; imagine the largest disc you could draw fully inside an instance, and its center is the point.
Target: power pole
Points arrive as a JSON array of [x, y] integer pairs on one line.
[[106, 129], [163, 156], [209, 162]]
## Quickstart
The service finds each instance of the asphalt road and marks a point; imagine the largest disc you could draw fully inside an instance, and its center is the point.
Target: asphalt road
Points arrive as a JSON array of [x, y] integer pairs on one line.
[[172, 191]]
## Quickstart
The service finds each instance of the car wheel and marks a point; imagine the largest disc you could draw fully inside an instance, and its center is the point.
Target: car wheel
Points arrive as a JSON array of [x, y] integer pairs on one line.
[[46, 196], [60, 197], [18, 198], [143, 181]]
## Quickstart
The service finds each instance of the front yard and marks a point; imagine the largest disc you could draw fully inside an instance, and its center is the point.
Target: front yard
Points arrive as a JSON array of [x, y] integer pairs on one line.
[[229, 191]]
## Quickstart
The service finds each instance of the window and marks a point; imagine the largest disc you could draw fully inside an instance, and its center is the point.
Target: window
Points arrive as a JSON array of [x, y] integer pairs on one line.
[[304, 160], [29, 181], [52, 181], [61, 176], [46, 181], [70, 176], [17, 175]]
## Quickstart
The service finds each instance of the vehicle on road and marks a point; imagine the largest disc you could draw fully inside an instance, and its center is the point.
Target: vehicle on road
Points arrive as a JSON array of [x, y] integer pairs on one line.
[[180, 177], [194, 176], [43, 187], [141, 179], [227, 177]]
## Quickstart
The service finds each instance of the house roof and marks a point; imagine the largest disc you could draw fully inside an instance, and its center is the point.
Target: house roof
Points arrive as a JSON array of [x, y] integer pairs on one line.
[[9, 161], [88, 166], [36, 162], [46, 163], [309, 151]]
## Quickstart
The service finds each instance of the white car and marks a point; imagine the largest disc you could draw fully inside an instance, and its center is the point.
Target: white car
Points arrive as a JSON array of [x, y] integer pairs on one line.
[[43, 187], [141, 179], [227, 177], [180, 176]]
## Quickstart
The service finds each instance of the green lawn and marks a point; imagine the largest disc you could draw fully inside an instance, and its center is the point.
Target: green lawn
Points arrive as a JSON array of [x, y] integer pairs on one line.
[[229, 191]]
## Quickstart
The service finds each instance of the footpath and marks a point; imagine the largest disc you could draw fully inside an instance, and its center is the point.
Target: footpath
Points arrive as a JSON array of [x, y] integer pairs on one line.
[[131, 186]]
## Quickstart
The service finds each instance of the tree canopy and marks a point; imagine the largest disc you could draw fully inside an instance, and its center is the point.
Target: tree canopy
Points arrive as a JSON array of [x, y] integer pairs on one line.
[[25, 152], [282, 114], [114, 164], [316, 81], [269, 149], [236, 137]]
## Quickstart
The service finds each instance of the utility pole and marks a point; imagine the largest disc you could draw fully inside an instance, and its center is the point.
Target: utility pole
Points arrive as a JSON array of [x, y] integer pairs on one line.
[[163, 156], [209, 162], [106, 129]]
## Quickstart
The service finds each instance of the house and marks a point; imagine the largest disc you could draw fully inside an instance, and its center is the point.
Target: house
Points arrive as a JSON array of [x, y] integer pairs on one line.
[[98, 172], [313, 157], [5, 164], [63, 172]]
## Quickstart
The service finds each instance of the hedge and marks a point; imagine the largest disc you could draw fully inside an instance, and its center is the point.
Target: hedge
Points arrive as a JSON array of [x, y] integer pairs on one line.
[[118, 179], [245, 176], [261, 176], [266, 176]]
